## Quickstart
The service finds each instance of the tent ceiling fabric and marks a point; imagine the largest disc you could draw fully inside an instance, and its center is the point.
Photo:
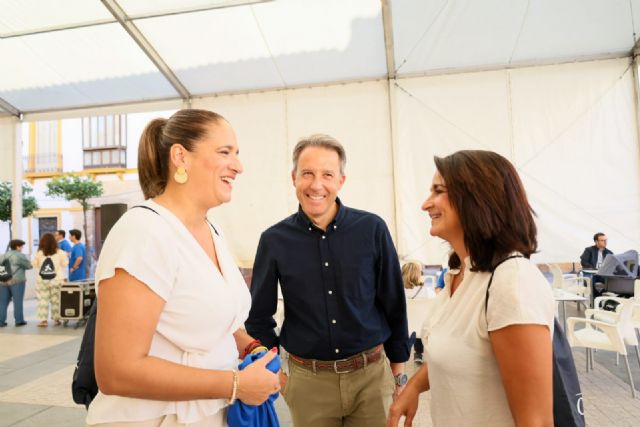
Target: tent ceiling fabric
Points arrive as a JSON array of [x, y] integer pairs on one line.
[[67, 54]]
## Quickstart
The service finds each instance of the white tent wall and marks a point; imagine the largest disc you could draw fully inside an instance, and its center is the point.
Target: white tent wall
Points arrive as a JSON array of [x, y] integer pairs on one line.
[[569, 129], [269, 125], [7, 147]]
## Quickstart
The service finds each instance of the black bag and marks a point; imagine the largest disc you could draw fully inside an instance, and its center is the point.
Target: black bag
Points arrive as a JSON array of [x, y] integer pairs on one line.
[[47, 270], [5, 270], [568, 406], [609, 305], [84, 387]]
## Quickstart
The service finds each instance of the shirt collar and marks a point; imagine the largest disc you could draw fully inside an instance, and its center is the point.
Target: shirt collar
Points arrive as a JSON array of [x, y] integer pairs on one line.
[[303, 220]]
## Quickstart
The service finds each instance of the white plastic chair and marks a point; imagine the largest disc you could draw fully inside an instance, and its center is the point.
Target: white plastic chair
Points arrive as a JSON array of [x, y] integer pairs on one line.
[[570, 282], [611, 333], [417, 311]]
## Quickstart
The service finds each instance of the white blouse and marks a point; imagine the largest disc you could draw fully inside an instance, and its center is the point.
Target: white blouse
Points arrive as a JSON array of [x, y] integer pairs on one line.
[[466, 387], [202, 311]]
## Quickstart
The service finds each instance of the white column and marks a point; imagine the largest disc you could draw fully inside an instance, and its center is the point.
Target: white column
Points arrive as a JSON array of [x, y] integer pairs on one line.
[[16, 197]]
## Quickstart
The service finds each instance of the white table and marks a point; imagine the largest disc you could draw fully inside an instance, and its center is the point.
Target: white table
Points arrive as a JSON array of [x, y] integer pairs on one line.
[[562, 296]]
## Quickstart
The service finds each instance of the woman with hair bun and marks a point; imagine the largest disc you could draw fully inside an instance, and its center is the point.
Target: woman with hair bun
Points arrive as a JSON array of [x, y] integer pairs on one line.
[[172, 301]]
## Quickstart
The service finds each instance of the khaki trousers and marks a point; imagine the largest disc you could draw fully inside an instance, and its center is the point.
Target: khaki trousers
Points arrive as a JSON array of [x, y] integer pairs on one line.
[[218, 419], [326, 399]]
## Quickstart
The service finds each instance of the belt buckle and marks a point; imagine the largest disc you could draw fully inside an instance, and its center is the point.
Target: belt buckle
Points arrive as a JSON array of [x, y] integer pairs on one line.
[[335, 366]]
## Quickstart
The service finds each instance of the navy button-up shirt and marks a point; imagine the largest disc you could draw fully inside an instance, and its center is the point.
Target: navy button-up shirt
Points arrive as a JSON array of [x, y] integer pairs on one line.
[[342, 287]]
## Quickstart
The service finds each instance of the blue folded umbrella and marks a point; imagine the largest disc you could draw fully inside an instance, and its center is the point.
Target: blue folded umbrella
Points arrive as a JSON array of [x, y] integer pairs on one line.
[[242, 415]]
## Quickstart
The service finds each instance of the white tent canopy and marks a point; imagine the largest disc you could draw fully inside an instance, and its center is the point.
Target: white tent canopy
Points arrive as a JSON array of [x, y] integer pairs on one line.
[[550, 84], [74, 53]]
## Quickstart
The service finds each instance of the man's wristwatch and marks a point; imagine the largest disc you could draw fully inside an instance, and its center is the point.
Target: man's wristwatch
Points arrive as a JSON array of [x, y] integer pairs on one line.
[[401, 379]]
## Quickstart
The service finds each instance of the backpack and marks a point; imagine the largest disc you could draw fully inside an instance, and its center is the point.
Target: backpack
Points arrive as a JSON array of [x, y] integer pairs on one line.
[[84, 386], [5, 270], [48, 270], [568, 406]]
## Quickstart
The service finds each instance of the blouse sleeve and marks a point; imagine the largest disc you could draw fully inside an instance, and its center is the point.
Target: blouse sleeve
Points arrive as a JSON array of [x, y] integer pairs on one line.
[[519, 295], [140, 244]]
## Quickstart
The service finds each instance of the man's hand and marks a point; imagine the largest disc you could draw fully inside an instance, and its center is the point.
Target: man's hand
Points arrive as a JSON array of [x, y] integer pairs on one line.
[[396, 392], [283, 381]]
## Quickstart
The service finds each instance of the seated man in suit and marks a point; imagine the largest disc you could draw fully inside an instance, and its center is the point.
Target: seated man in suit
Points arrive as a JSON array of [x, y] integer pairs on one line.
[[593, 257]]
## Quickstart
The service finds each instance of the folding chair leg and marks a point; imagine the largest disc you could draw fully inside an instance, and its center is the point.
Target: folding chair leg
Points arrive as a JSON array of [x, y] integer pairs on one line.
[[633, 389], [617, 359], [586, 358], [638, 354]]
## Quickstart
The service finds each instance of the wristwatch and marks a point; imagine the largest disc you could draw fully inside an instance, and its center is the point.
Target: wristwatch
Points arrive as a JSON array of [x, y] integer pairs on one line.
[[401, 379]]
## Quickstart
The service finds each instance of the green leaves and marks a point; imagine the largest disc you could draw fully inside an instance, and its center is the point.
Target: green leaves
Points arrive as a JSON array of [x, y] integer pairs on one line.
[[76, 188], [29, 203]]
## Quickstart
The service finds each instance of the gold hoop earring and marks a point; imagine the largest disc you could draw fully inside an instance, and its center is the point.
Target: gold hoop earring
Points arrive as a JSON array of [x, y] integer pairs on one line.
[[181, 175]]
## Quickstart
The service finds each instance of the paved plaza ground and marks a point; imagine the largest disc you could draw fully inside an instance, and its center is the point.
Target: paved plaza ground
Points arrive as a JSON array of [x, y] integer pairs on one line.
[[36, 365]]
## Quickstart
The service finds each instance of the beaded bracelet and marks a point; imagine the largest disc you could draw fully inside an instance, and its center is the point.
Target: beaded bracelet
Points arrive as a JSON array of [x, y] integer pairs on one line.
[[259, 349], [250, 347], [234, 390]]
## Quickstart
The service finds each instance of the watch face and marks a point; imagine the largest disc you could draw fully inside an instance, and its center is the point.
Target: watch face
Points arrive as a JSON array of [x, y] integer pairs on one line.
[[401, 379]]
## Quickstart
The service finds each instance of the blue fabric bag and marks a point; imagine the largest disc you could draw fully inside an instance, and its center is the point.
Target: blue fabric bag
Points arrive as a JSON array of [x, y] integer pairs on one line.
[[242, 415]]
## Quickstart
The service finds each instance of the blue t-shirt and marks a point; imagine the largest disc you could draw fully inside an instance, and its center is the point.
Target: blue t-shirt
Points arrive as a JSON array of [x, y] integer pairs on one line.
[[80, 273], [440, 282], [65, 245]]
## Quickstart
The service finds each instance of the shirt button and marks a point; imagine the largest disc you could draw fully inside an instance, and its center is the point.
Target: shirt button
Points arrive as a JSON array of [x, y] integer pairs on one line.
[[326, 264], [337, 350], [335, 226], [309, 228], [330, 292], [333, 321], [324, 237]]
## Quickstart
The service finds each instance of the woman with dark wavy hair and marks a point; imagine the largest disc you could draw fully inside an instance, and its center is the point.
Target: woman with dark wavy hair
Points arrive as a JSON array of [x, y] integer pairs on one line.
[[487, 365]]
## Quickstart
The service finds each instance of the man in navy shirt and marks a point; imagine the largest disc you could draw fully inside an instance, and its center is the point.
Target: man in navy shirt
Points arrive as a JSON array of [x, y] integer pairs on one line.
[[77, 261], [62, 242], [344, 301]]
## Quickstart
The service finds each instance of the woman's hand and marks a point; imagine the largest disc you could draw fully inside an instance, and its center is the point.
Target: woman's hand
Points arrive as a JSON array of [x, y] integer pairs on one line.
[[406, 403], [256, 382]]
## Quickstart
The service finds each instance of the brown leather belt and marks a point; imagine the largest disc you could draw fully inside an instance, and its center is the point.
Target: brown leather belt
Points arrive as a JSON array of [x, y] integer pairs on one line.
[[342, 366]]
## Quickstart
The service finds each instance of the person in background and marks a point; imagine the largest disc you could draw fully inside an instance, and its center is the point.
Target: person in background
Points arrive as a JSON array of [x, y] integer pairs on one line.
[[77, 260], [592, 258], [48, 289], [414, 288], [14, 288], [440, 282], [488, 350], [342, 288], [172, 301], [62, 242]]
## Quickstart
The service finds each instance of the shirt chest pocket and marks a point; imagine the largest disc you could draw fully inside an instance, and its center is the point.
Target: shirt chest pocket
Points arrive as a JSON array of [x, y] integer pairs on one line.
[[356, 274]]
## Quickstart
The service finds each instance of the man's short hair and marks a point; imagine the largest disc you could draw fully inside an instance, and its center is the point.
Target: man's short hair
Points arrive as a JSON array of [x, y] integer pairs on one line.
[[597, 236], [320, 140], [76, 233], [15, 244], [62, 233]]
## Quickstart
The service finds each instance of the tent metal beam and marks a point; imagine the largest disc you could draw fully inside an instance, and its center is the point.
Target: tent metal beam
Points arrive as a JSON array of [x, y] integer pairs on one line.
[[180, 11], [147, 48], [387, 24], [10, 108]]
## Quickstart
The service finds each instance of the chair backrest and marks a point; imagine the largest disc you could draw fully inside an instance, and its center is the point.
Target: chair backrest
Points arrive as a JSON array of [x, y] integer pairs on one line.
[[418, 310], [558, 278], [625, 323]]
